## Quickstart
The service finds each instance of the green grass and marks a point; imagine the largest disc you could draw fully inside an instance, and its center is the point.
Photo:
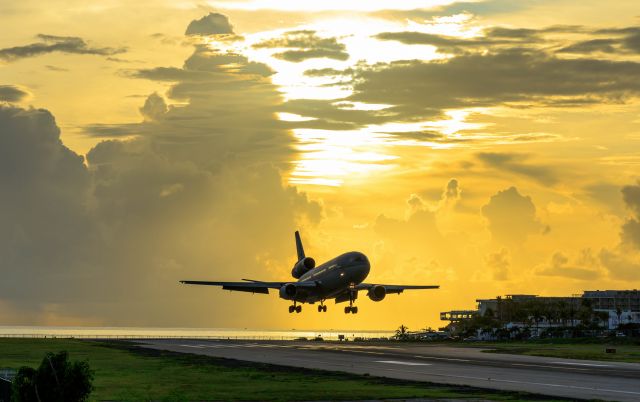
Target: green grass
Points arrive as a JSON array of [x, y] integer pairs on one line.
[[626, 351], [124, 372]]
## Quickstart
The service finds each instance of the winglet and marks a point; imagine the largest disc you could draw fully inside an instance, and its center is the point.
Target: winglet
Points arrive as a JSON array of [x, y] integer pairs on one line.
[[299, 248]]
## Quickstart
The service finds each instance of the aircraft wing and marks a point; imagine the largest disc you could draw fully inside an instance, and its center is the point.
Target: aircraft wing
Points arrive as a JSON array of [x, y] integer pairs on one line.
[[395, 288], [250, 285]]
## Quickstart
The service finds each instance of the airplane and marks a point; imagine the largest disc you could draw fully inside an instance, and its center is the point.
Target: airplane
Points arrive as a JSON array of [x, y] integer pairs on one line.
[[340, 278]]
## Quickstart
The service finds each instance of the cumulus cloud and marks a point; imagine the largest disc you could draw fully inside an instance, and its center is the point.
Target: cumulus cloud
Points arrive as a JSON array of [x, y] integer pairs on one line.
[[154, 107], [631, 228], [211, 24], [622, 262], [499, 264], [304, 45], [181, 198], [52, 43], [511, 216], [45, 187], [452, 191], [12, 93], [585, 266]]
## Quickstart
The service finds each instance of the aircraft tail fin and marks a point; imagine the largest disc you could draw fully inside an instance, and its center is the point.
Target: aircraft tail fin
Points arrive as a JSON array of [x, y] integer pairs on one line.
[[299, 248]]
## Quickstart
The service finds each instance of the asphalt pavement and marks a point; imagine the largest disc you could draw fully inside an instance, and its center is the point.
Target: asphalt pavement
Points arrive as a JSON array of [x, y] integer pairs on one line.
[[579, 379]]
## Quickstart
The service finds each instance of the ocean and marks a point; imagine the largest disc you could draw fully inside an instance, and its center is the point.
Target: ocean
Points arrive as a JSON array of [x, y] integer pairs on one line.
[[177, 333]]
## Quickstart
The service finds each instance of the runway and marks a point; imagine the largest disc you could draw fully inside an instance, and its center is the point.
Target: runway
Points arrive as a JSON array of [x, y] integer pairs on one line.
[[580, 379]]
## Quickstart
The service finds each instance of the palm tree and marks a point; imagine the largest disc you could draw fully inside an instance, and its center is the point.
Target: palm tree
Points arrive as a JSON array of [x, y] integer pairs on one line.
[[401, 332]]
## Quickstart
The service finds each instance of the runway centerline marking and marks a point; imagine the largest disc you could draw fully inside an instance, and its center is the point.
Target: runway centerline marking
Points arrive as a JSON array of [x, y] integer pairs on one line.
[[441, 358], [403, 363], [582, 364]]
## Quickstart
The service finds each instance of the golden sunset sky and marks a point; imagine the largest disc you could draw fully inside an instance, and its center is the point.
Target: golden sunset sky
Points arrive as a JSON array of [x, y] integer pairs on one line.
[[490, 147]]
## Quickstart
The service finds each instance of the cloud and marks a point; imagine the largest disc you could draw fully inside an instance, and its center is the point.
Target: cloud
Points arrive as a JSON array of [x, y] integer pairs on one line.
[[586, 266], [420, 226], [622, 263], [452, 191], [211, 24], [631, 228], [45, 187], [499, 264], [617, 40], [304, 45], [417, 88], [493, 38], [514, 163], [180, 198], [13, 93], [512, 217], [51, 43], [155, 107]]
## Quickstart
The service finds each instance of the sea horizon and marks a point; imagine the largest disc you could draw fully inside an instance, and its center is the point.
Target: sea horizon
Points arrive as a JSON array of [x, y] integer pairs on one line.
[[124, 332]]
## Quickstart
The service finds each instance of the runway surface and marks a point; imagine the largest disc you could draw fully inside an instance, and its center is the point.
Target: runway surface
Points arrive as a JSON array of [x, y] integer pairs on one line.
[[580, 379]]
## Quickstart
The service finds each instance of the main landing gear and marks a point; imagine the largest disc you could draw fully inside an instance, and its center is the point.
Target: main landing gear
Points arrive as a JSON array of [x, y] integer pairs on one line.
[[351, 308], [322, 308], [295, 308]]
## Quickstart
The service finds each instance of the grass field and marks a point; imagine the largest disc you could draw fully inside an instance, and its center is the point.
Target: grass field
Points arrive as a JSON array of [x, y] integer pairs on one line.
[[626, 351], [629, 354], [126, 373]]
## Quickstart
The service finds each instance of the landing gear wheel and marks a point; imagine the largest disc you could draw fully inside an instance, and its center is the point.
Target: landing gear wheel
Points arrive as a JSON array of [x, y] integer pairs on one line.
[[291, 309], [298, 309], [354, 310], [347, 310], [320, 309], [324, 309]]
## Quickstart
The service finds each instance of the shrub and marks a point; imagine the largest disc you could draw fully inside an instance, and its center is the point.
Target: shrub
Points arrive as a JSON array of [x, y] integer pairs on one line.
[[56, 380]]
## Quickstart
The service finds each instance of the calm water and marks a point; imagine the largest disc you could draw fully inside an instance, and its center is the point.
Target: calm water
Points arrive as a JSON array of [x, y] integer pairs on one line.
[[133, 332]]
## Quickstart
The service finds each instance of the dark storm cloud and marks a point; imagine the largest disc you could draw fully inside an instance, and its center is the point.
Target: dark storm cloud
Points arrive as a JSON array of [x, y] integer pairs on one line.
[[515, 163], [511, 216], [12, 93], [304, 45], [51, 43], [212, 24], [196, 191], [44, 188]]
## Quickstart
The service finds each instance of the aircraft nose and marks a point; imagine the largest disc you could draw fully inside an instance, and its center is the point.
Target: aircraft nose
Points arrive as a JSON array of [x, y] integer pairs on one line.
[[360, 265]]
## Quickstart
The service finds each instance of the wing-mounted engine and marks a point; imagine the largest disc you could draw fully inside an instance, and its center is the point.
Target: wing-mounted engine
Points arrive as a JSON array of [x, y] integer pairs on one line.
[[377, 293], [302, 267], [288, 291]]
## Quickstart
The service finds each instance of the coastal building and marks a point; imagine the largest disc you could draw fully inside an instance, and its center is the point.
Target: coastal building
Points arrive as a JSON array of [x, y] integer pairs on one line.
[[610, 308]]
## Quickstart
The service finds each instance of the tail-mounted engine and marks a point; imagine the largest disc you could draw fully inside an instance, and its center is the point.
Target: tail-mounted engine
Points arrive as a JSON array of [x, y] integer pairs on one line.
[[302, 267], [377, 293]]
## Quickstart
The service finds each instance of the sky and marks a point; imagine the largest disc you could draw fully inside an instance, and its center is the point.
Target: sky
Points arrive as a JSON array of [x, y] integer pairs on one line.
[[490, 147]]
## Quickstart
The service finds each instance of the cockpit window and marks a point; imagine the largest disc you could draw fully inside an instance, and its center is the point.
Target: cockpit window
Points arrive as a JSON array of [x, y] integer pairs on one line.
[[358, 258]]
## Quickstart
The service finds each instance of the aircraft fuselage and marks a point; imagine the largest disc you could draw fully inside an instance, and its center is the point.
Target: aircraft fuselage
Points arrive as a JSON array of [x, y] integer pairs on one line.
[[333, 278]]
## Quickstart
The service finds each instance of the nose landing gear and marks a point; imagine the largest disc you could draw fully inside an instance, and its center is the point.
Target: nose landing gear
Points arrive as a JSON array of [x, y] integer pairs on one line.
[[322, 308]]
